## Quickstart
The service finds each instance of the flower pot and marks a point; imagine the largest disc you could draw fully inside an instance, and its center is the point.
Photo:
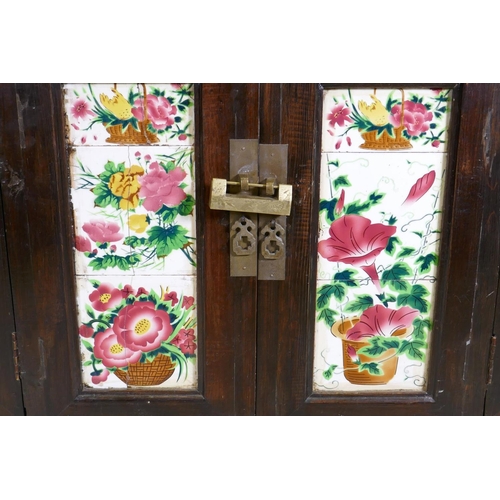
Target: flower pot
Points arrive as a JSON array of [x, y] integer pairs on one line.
[[385, 141], [351, 373], [129, 135], [147, 374]]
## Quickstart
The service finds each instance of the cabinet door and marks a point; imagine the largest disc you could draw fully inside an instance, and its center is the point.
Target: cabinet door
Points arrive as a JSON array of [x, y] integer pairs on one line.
[[308, 359]]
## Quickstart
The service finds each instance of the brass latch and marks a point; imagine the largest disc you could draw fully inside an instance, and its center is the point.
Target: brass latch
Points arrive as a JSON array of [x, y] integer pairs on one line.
[[257, 209]]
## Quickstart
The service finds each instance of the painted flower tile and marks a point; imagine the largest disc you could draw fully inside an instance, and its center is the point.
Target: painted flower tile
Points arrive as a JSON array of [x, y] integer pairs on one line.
[[134, 210], [132, 193], [385, 120], [382, 179], [129, 323], [118, 114]]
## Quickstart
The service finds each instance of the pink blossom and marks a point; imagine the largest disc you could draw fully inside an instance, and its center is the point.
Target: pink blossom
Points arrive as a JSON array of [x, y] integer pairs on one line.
[[352, 354], [161, 188], [85, 331], [160, 112], [127, 290], [381, 321], [183, 137], [112, 248], [416, 117], [141, 327], [436, 143], [340, 203], [348, 139], [187, 302], [83, 139], [185, 341], [102, 377], [339, 115], [137, 154], [105, 297], [82, 244], [81, 108], [102, 231], [172, 296], [147, 157], [356, 241], [112, 352], [141, 291]]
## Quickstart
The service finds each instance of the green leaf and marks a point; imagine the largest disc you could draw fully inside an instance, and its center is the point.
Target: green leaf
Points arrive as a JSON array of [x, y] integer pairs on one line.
[[361, 303], [372, 368], [324, 293], [426, 262], [420, 329], [109, 169], [379, 345], [187, 205], [329, 207], [168, 214], [399, 286], [341, 181], [87, 363], [391, 244], [328, 316], [167, 240], [413, 349], [396, 272], [104, 197], [405, 252], [87, 345], [419, 291], [392, 220], [415, 298], [134, 241], [329, 373], [345, 278]]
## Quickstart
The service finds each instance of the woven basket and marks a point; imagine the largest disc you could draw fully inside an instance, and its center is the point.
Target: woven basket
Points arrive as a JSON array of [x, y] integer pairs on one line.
[[351, 372], [385, 141], [129, 135], [146, 374]]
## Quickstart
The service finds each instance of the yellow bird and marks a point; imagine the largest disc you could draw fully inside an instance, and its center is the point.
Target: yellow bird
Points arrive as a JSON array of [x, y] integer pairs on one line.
[[118, 105], [375, 112]]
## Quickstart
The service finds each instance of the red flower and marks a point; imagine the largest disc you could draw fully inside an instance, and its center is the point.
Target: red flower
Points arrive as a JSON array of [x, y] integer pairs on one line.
[[339, 115], [102, 377], [340, 204], [416, 117], [160, 112], [102, 231], [85, 331], [105, 297], [436, 143], [82, 244], [172, 296], [81, 108], [141, 327], [161, 188], [187, 302], [141, 291], [83, 139], [127, 290], [183, 137], [381, 321], [111, 352], [356, 241], [185, 341]]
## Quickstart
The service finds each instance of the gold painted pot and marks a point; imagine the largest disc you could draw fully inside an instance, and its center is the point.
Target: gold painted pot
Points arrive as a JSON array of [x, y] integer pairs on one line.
[[351, 372], [147, 374], [385, 141], [129, 135]]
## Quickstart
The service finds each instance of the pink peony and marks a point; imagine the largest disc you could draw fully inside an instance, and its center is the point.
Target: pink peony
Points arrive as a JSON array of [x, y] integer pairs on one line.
[[381, 321], [82, 244], [105, 297], [161, 188], [81, 108], [416, 117], [356, 241], [102, 377], [103, 231], [108, 348], [160, 112], [339, 115], [85, 331], [141, 327]]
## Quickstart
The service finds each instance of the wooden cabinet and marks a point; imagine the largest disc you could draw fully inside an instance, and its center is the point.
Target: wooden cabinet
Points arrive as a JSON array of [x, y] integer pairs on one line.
[[255, 337]]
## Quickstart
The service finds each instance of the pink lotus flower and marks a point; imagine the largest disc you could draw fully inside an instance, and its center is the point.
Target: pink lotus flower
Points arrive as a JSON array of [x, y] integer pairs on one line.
[[172, 296], [416, 117], [103, 231], [105, 297], [85, 331], [141, 327], [112, 352], [187, 302], [82, 244], [339, 115], [161, 188], [81, 108], [102, 377], [381, 321], [356, 241], [160, 112], [340, 203], [352, 354], [185, 341]]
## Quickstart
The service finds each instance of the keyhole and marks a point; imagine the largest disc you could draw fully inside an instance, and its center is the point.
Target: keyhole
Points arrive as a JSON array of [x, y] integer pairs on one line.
[[272, 247]]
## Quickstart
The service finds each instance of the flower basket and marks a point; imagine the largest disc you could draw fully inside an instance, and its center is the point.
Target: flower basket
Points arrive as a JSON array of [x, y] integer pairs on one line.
[[351, 373], [129, 135], [384, 141], [146, 374]]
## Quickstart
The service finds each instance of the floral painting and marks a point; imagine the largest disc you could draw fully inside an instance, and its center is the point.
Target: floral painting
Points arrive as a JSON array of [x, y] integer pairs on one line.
[[378, 250], [132, 178]]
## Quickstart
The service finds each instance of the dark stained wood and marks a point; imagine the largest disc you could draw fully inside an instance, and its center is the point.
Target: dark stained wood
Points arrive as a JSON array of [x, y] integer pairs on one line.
[[40, 221]]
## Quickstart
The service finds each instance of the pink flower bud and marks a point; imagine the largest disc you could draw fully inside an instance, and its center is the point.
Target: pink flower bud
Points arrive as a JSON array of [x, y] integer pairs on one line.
[[94, 252], [85, 331], [348, 139], [84, 140], [112, 248], [340, 204], [436, 143], [137, 154], [330, 132], [182, 137], [147, 158], [338, 143], [76, 127], [352, 354], [103, 376]]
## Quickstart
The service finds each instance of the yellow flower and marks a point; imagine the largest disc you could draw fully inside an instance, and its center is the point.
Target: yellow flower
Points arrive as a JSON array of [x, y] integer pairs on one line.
[[375, 112], [138, 223], [118, 105], [126, 185]]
